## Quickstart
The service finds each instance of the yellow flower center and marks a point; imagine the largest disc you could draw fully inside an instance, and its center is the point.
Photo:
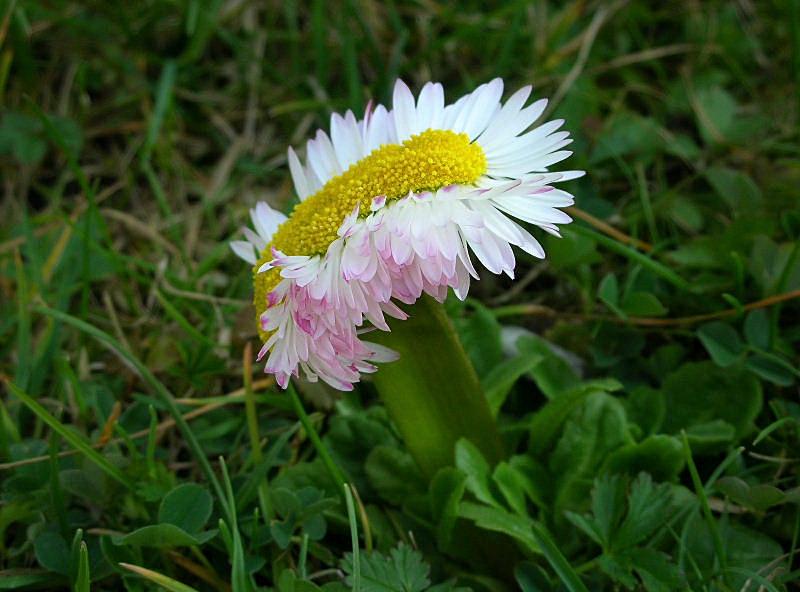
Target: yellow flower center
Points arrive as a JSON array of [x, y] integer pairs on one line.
[[424, 162]]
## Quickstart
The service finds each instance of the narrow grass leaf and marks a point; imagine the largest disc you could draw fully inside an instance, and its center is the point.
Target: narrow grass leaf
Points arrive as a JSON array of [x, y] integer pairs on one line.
[[351, 515], [334, 470], [82, 583], [557, 561], [719, 549], [150, 379], [158, 578], [657, 268], [74, 440]]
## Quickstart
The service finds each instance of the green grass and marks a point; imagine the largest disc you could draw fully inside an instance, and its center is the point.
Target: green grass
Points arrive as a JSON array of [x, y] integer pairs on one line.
[[134, 137]]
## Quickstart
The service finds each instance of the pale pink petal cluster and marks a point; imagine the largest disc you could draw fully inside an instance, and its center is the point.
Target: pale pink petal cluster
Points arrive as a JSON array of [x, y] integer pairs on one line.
[[400, 249]]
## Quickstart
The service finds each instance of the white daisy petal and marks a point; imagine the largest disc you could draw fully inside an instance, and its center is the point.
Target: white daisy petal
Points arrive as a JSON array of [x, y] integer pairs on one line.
[[483, 106], [430, 107], [405, 113], [301, 185], [244, 250]]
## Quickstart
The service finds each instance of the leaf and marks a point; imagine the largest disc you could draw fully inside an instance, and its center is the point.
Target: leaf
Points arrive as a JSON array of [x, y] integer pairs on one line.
[[446, 490], [188, 506], [288, 581], [660, 455], [715, 109], [285, 501], [656, 570], [34, 579], [500, 379], [703, 393], [52, 552], [511, 485], [608, 291], [710, 435], [83, 578], [768, 262], [618, 569], [738, 190], [532, 578], [480, 336], [163, 536], [571, 251], [350, 439], [546, 422], [756, 328], [22, 136], [595, 428], [69, 133], [770, 369], [612, 344], [524, 475], [589, 527], [470, 461], [722, 343], [403, 570], [281, 532], [159, 579], [646, 408], [647, 510], [758, 497], [393, 474], [744, 548], [608, 506], [25, 136], [499, 520], [643, 304], [552, 374], [627, 133]]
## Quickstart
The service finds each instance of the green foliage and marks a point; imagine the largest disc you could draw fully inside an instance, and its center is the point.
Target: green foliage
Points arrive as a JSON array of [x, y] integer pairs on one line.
[[134, 137], [715, 406], [182, 514], [402, 570]]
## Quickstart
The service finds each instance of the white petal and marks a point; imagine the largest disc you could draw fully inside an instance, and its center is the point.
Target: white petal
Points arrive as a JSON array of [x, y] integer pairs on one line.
[[405, 114], [298, 175], [346, 139], [244, 250], [379, 130], [430, 107], [266, 220], [322, 158], [482, 106], [255, 239]]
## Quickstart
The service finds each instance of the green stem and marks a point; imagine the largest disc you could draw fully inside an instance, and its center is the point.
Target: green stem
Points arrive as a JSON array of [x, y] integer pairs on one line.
[[432, 392]]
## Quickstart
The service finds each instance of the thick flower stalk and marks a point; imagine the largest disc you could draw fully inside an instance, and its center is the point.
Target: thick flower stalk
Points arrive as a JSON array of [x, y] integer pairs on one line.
[[394, 206]]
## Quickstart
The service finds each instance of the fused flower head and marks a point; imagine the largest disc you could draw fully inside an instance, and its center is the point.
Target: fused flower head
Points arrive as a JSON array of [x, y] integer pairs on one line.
[[393, 206]]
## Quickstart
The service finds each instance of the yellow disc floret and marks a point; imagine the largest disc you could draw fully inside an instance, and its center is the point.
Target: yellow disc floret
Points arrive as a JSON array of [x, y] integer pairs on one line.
[[424, 162]]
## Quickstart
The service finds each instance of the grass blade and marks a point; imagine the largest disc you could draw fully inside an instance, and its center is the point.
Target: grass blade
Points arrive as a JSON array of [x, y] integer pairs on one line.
[[719, 549], [556, 560], [351, 515], [156, 385], [657, 268], [158, 579], [240, 579], [82, 582], [70, 436], [327, 459]]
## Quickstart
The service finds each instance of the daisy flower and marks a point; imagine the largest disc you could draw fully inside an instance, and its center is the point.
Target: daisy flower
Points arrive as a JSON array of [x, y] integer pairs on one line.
[[392, 206]]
